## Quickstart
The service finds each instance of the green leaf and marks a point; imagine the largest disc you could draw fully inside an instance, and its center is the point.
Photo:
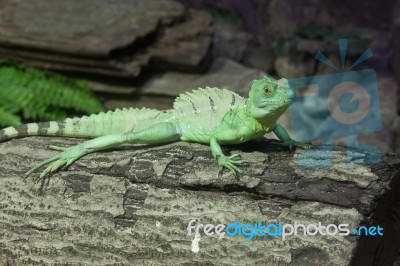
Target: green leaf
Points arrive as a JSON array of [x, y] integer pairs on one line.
[[8, 119], [35, 94]]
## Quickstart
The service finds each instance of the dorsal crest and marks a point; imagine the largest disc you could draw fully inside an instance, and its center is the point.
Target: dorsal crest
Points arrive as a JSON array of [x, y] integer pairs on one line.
[[208, 99], [211, 104]]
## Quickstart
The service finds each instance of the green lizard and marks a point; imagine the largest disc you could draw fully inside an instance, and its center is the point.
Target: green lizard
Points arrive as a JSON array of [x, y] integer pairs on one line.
[[210, 116]]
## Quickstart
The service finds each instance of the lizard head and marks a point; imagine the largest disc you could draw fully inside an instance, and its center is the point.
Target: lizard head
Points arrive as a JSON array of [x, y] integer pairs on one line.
[[269, 98]]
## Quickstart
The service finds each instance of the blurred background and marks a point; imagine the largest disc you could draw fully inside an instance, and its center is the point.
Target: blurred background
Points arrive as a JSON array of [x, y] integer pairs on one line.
[[68, 58]]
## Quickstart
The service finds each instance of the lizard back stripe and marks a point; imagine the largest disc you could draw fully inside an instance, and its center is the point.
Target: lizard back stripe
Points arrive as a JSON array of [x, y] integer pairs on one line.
[[212, 106], [212, 103], [194, 108], [233, 100]]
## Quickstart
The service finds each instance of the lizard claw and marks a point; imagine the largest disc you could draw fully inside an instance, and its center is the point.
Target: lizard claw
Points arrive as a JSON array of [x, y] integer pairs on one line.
[[57, 148], [65, 158], [230, 163], [40, 165], [55, 166]]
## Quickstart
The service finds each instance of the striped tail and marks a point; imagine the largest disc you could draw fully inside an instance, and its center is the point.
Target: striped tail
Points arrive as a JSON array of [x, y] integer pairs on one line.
[[32, 129], [101, 124]]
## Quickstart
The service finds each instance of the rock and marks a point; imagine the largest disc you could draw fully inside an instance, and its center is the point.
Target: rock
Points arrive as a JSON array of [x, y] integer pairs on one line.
[[284, 67], [139, 101], [262, 58], [397, 135], [395, 45], [161, 89], [386, 138], [250, 14], [133, 206], [230, 41], [223, 73], [82, 37], [388, 93], [382, 53], [397, 262], [83, 27], [185, 46], [285, 18]]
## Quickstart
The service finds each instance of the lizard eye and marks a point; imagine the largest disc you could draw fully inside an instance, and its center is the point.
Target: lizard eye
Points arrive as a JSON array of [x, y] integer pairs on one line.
[[267, 89]]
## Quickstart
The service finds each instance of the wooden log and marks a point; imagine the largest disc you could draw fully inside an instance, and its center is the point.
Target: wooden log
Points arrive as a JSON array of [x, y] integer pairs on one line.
[[132, 206]]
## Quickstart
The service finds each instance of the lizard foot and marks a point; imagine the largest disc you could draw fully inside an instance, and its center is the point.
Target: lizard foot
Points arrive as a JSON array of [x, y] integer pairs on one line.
[[65, 158], [230, 162], [292, 144]]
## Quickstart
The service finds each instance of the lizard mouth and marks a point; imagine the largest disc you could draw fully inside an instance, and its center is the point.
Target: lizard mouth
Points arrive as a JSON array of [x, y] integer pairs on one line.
[[274, 103]]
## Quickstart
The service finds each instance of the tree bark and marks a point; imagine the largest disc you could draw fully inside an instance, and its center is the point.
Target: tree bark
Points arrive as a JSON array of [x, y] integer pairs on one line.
[[132, 206]]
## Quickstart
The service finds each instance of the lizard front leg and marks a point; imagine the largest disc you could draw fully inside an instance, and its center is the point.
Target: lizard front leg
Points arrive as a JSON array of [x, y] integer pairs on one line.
[[282, 134], [228, 162], [156, 134]]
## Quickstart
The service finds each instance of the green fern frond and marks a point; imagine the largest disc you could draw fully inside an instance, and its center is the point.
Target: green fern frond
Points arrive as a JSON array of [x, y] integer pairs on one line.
[[37, 94], [9, 118]]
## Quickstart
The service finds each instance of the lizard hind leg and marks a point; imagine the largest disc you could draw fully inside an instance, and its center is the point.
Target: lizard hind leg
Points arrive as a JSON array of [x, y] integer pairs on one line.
[[155, 134], [65, 158], [69, 155]]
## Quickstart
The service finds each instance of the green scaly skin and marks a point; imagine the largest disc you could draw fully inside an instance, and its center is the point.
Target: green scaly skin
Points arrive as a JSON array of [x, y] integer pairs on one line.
[[210, 116]]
